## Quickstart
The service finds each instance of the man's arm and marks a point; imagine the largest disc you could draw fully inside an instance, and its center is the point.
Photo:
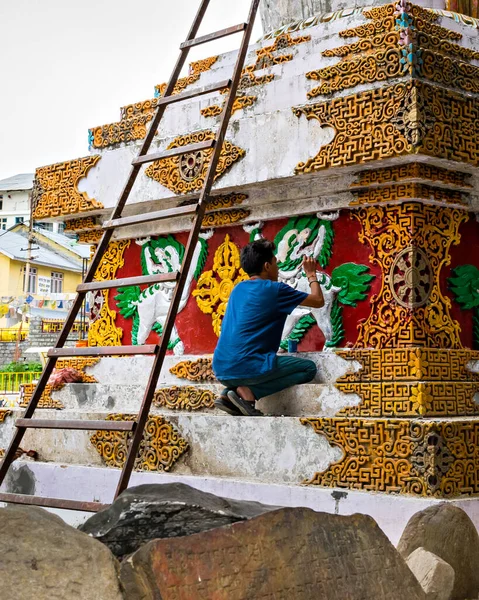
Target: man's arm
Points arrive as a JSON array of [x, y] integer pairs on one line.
[[315, 298]]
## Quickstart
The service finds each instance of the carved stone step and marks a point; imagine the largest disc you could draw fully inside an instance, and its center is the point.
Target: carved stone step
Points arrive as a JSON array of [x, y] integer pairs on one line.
[[263, 449]]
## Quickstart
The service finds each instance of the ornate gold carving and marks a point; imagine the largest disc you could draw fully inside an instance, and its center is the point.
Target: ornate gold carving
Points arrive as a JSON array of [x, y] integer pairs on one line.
[[103, 331], [407, 191], [412, 399], [194, 370], [424, 458], [380, 12], [442, 46], [196, 68], [449, 71], [381, 65], [282, 42], [160, 448], [394, 120], [127, 130], [410, 364], [138, 108], [389, 231], [388, 23], [239, 103], [249, 79], [169, 174], [186, 397], [46, 401], [411, 171], [363, 128], [214, 287], [390, 38], [90, 237], [4, 414], [368, 30], [225, 200], [135, 117], [82, 224], [225, 217], [55, 191]]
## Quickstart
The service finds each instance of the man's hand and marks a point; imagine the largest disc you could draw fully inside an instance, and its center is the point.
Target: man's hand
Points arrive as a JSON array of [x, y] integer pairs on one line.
[[309, 266], [315, 298]]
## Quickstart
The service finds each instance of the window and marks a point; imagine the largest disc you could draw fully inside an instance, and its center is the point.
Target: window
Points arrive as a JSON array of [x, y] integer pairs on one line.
[[3, 224], [32, 280], [57, 283], [19, 220], [1, 203]]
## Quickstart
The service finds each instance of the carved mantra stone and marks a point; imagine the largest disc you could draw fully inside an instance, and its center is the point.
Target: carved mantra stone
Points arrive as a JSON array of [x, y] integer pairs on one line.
[[292, 553], [153, 511]]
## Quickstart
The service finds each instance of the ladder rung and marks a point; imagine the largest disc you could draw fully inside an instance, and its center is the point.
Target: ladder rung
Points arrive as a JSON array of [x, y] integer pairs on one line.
[[213, 36], [53, 502], [189, 209], [127, 281], [78, 425], [173, 152], [208, 89], [104, 350]]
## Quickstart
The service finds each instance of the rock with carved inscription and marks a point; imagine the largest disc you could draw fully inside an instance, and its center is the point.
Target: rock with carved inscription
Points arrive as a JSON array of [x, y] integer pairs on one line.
[[151, 511], [446, 531], [287, 554], [42, 557]]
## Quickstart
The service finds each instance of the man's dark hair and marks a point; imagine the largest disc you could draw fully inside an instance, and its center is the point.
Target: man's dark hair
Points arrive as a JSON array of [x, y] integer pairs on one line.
[[255, 254]]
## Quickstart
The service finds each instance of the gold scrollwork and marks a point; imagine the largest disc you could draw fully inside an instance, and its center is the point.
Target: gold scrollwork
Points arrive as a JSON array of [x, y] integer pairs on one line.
[[186, 397], [168, 171], [55, 192], [103, 331], [4, 414], [411, 171], [424, 458], [194, 370], [214, 287], [160, 448], [388, 231]]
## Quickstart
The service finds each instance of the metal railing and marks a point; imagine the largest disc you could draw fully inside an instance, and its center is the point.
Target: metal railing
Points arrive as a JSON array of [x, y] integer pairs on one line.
[[12, 335], [10, 382]]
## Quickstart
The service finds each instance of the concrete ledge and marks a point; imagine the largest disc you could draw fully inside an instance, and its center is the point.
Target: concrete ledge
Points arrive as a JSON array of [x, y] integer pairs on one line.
[[89, 483], [268, 449]]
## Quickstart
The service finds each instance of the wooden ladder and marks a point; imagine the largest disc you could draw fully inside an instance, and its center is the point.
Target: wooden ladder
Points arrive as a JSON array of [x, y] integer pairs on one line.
[[197, 209]]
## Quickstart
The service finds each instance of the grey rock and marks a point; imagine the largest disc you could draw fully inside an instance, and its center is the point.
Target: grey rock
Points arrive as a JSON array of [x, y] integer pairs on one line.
[[449, 533], [287, 554], [435, 575], [148, 512], [43, 558]]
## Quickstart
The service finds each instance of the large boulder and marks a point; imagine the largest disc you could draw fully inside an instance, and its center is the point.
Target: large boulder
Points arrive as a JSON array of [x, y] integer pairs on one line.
[[435, 575], [290, 553], [42, 557], [449, 533], [147, 512]]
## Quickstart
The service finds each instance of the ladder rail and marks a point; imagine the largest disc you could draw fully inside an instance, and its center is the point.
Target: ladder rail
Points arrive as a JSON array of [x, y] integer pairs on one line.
[[105, 241], [187, 259]]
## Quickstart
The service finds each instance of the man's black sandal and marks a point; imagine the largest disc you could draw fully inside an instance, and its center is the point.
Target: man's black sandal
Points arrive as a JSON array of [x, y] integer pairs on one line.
[[247, 409], [224, 404]]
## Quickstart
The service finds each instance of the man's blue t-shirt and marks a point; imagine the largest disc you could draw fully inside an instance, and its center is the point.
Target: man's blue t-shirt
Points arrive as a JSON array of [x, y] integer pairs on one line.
[[252, 328]]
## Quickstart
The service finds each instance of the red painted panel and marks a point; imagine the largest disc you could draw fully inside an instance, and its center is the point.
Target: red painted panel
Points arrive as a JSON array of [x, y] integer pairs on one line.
[[195, 328]]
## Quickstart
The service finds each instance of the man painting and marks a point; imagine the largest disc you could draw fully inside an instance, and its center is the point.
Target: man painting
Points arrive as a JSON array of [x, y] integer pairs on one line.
[[245, 359]]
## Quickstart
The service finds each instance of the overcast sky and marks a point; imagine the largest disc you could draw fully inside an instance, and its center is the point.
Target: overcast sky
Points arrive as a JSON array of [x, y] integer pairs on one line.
[[67, 66]]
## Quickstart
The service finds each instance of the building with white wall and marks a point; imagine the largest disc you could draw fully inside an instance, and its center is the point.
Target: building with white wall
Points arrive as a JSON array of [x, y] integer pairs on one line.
[[14, 200]]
